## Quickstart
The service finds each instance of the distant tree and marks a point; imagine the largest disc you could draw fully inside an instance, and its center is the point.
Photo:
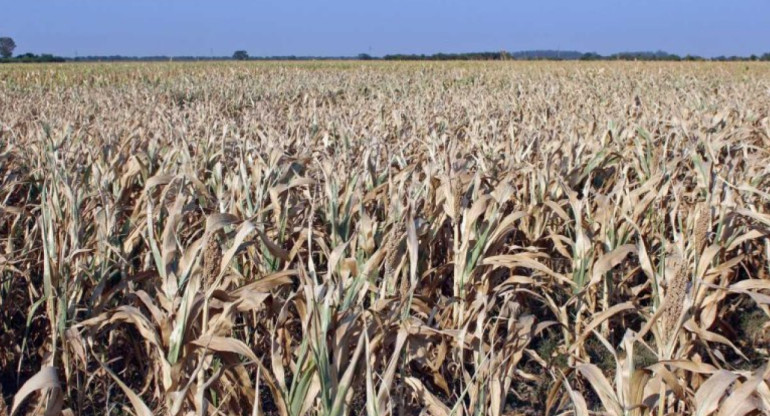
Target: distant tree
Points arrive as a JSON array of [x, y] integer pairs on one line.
[[241, 55], [7, 45], [590, 56], [364, 57]]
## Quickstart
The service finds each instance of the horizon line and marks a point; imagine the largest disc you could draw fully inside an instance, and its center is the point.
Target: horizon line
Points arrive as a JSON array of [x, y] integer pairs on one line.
[[571, 52]]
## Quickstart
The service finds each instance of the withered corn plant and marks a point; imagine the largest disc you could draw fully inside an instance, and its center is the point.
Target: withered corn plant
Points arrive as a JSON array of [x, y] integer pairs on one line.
[[385, 239]]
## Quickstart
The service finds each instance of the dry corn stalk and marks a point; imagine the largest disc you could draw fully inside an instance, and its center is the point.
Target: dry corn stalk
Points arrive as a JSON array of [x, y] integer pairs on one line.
[[203, 237]]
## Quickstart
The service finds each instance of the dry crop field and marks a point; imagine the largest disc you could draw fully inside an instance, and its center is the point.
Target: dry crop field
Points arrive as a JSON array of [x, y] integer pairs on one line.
[[337, 238]]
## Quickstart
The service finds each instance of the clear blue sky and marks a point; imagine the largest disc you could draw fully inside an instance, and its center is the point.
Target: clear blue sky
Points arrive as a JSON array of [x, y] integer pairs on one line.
[[348, 27]]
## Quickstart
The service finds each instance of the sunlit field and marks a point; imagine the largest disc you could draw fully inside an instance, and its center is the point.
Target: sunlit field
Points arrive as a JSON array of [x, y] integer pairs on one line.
[[348, 238]]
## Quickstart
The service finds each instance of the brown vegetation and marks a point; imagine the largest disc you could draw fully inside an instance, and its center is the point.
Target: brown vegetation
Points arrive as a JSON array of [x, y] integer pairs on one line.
[[385, 238]]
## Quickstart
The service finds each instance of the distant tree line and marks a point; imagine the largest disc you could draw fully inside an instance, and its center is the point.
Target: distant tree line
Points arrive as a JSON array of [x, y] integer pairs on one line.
[[471, 56], [552, 55], [150, 58], [158, 58], [7, 47], [31, 57]]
